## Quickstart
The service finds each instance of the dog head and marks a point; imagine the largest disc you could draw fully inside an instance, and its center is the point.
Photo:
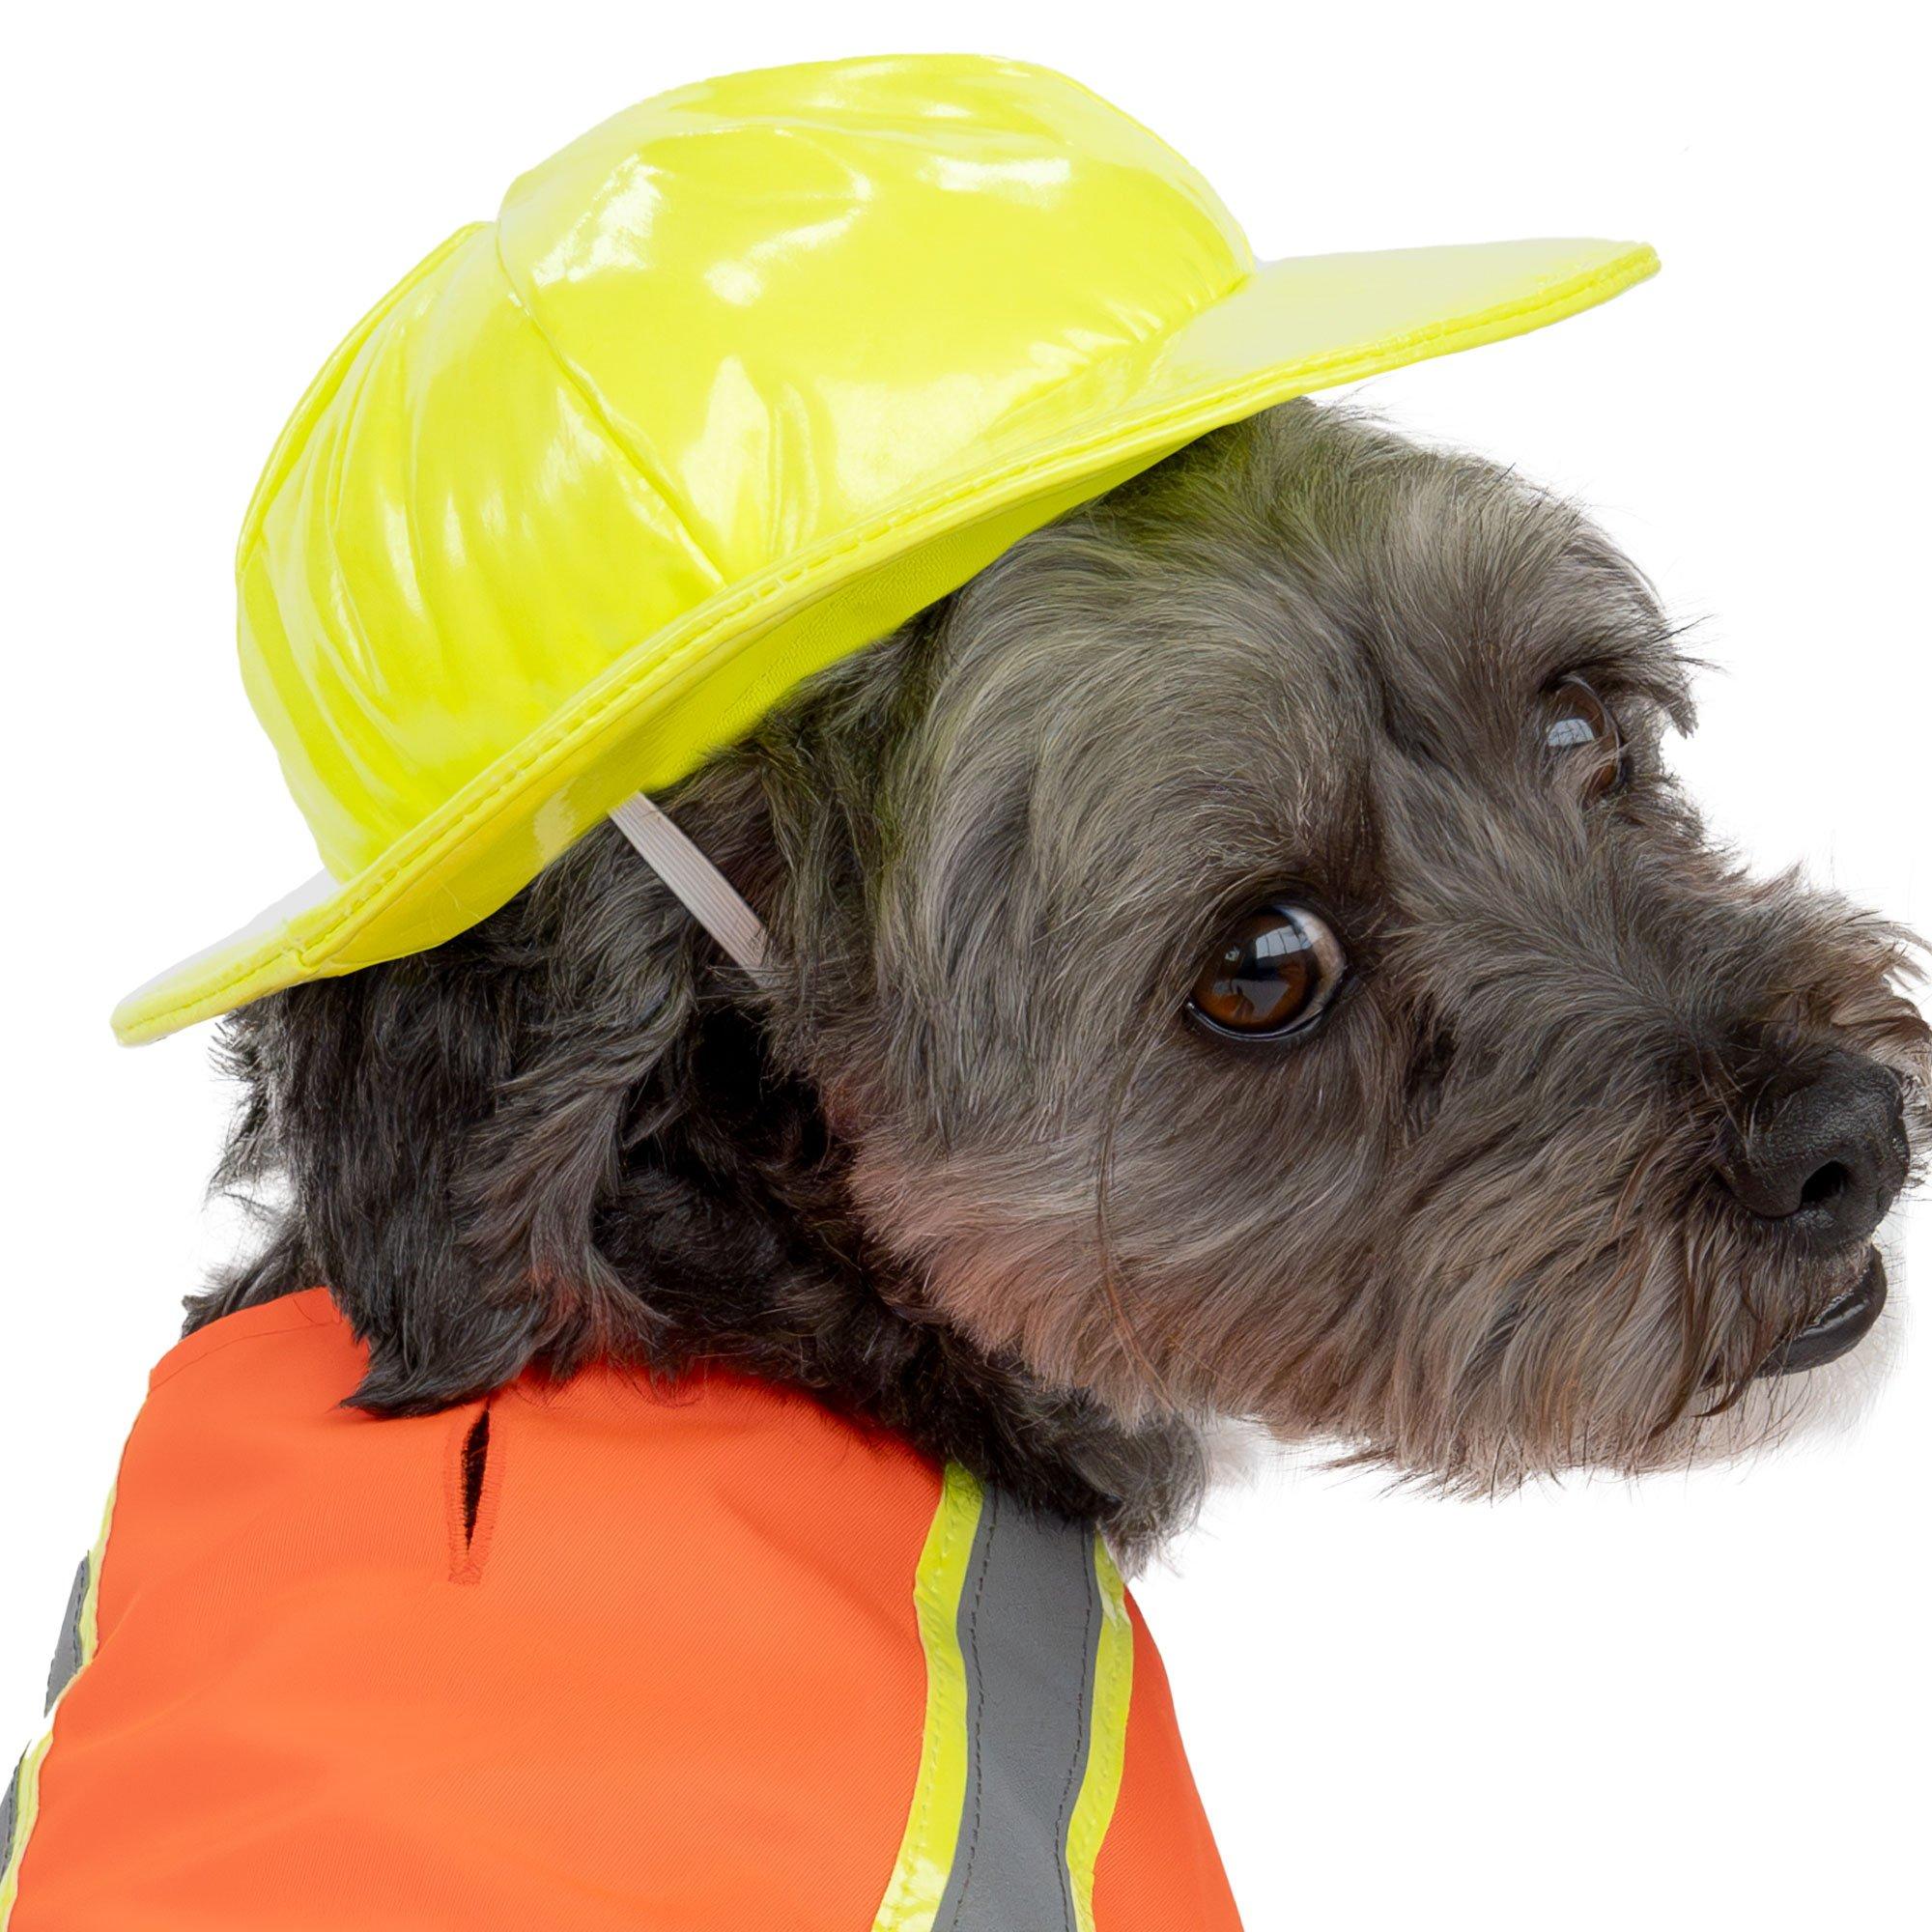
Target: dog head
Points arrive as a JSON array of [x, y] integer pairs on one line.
[[1244, 955], [1297, 987]]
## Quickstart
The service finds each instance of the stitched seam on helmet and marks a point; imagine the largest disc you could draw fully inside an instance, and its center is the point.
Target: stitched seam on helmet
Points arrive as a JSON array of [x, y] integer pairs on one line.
[[578, 388], [327, 386]]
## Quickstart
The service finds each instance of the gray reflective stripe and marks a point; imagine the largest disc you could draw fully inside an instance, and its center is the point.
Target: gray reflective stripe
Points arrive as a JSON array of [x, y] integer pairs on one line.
[[9, 1811], [1030, 1621], [67, 1653]]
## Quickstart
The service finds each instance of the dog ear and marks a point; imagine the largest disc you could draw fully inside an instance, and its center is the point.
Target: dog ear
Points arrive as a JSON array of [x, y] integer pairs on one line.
[[601, 1066], [436, 1134]]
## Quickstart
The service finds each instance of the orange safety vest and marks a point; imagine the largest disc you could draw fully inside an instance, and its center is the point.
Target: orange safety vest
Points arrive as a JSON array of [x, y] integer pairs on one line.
[[587, 1655]]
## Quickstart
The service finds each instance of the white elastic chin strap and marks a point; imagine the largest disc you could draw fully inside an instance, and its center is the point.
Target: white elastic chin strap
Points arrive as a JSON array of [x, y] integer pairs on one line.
[[704, 892]]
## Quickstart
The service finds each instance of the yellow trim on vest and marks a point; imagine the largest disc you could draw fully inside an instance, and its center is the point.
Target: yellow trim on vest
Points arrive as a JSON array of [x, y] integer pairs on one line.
[[932, 1829], [1113, 1693], [27, 1779]]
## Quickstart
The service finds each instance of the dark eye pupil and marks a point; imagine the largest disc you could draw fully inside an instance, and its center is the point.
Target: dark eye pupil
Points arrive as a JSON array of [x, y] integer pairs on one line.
[[1277, 968]]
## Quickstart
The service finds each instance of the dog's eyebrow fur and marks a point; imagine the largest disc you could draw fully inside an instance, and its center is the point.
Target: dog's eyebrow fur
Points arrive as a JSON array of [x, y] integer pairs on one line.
[[1457, 590], [960, 1165]]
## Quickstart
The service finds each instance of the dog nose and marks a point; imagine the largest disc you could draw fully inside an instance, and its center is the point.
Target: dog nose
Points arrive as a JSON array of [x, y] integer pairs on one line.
[[1828, 1157]]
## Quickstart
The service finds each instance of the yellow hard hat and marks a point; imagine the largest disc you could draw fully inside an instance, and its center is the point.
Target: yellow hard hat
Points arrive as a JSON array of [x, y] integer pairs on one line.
[[733, 386]]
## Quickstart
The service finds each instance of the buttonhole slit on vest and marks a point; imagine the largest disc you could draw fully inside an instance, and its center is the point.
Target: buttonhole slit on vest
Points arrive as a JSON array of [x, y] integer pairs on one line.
[[472, 1483]]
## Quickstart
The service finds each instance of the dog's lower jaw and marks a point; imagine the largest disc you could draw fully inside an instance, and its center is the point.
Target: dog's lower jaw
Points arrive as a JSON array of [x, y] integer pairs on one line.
[[1720, 1428], [1826, 1402], [1844, 1324]]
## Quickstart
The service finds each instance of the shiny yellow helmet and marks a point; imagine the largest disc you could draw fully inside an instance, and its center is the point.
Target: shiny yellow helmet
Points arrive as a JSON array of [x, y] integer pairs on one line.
[[731, 386]]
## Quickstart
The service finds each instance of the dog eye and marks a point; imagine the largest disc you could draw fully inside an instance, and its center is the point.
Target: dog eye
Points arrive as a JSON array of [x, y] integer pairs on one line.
[[1580, 730], [1274, 971]]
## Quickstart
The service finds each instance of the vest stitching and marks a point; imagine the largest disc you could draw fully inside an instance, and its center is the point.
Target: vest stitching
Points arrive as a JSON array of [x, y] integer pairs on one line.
[[975, 1731], [1078, 1763]]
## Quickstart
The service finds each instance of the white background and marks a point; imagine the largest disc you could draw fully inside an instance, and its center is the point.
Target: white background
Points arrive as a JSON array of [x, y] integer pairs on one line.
[[1693, 1703]]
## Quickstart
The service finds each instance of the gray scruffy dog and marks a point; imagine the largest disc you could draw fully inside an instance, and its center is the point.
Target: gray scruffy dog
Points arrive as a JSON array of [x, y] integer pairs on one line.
[[1241, 955]]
